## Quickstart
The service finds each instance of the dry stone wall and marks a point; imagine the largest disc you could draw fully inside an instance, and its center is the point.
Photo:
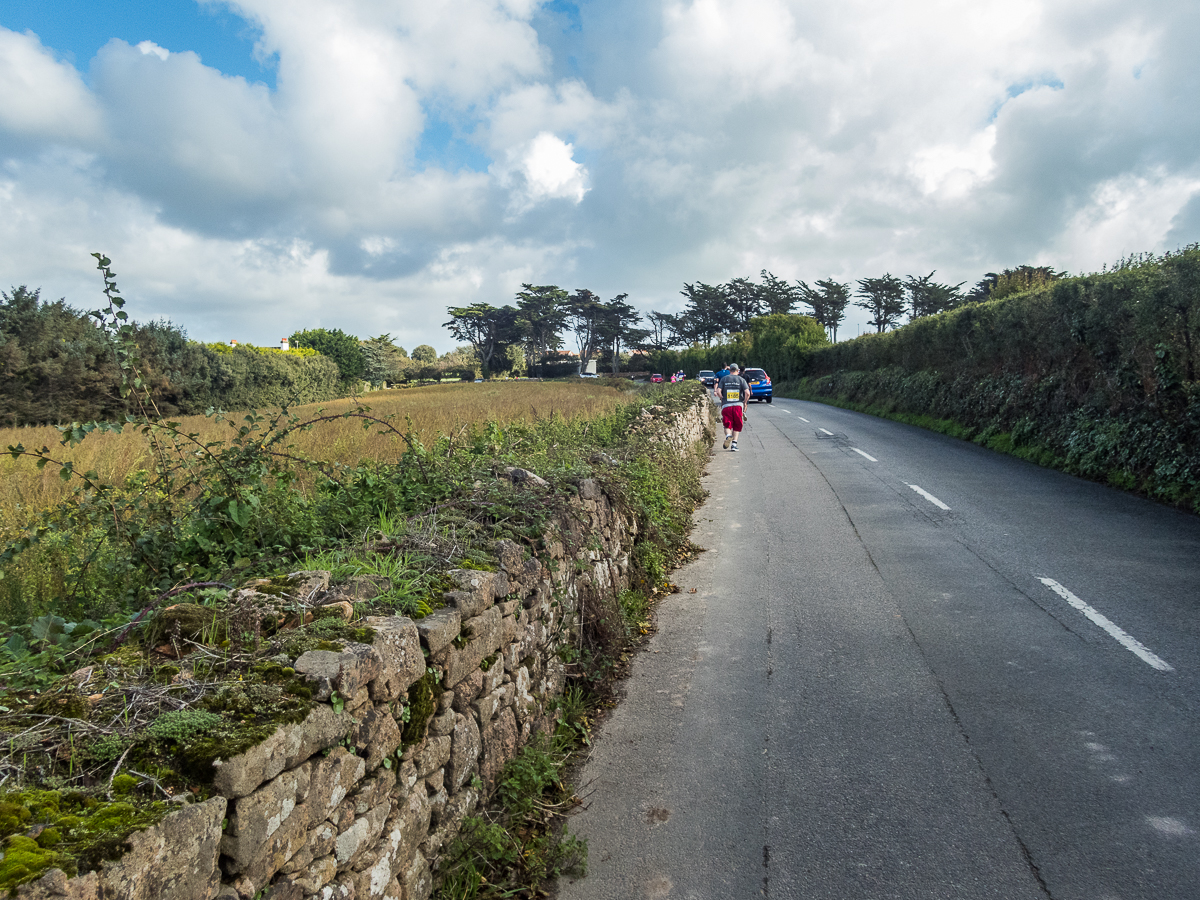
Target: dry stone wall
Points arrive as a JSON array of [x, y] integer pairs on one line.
[[339, 807]]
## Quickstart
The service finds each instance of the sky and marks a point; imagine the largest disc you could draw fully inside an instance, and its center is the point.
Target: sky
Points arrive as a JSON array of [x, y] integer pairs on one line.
[[256, 167]]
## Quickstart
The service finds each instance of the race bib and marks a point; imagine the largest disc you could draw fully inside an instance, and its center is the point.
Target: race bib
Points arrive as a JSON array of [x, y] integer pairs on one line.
[[733, 394]]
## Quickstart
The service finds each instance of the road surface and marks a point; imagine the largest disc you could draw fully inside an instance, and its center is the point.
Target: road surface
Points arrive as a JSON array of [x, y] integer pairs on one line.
[[910, 668]]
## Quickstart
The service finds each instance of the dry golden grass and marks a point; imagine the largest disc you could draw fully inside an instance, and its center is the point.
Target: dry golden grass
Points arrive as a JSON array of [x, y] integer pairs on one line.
[[434, 410]]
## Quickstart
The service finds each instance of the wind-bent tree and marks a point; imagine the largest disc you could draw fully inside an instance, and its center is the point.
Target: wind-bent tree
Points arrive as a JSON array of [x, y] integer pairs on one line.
[[489, 330], [776, 295], [585, 315], [928, 298], [828, 302], [664, 331], [706, 314], [542, 317], [883, 298], [743, 299], [618, 328]]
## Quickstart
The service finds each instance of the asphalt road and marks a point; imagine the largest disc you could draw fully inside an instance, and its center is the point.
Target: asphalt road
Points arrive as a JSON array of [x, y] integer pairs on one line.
[[984, 688]]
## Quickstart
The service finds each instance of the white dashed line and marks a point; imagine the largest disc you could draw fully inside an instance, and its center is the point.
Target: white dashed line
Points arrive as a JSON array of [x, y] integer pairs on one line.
[[928, 496], [802, 419], [1122, 637], [864, 455], [830, 433]]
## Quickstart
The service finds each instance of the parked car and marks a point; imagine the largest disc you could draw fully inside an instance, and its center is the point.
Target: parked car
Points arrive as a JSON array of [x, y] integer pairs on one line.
[[656, 378], [708, 377], [760, 384]]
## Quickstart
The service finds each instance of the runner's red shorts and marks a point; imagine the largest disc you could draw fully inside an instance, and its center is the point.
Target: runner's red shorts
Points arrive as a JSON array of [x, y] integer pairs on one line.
[[731, 417]]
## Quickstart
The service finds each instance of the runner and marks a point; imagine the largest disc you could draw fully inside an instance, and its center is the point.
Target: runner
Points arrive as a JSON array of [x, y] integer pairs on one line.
[[734, 392]]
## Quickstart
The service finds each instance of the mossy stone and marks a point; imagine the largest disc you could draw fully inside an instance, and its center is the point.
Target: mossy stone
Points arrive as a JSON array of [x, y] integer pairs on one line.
[[422, 704]]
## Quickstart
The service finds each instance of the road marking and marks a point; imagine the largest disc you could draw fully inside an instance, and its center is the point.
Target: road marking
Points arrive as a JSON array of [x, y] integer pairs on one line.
[[1122, 637], [830, 433], [928, 496], [802, 419], [864, 455]]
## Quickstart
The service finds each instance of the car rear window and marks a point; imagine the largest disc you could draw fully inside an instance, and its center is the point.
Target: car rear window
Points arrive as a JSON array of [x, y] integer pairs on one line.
[[755, 373]]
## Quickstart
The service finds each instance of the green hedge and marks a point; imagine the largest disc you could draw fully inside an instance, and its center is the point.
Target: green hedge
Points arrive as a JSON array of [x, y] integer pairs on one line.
[[1095, 375], [779, 343], [248, 377]]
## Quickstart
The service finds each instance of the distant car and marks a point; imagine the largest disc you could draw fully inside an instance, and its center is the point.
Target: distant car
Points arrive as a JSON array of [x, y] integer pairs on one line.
[[588, 375], [656, 378], [708, 377], [760, 384]]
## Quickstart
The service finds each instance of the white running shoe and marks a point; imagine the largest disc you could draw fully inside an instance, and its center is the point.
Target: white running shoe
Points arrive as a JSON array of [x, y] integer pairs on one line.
[[733, 446], [728, 441]]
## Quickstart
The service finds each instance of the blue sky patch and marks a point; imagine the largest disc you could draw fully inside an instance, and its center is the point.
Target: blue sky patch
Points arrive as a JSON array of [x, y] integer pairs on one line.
[[76, 29], [442, 146], [1016, 90]]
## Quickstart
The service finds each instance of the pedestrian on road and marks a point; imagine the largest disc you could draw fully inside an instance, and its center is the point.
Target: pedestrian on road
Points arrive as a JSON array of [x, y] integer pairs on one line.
[[734, 393]]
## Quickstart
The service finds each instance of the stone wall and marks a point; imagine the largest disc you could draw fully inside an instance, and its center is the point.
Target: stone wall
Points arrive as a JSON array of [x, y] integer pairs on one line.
[[339, 806]]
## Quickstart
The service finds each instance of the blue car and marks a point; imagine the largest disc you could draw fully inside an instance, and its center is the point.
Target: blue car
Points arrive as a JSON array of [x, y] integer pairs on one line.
[[760, 384]]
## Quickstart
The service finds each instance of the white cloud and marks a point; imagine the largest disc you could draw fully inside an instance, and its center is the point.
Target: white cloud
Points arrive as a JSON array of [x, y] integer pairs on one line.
[[1124, 215], [550, 171], [149, 48], [665, 141], [41, 98]]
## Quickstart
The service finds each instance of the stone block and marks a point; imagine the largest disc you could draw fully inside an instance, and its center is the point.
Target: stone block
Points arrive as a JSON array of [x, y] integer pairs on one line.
[[417, 879], [474, 593], [483, 635], [487, 706], [524, 702], [493, 677], [510, 554], [439, 628], [289, 746], [255, 819], [266, 859], [406, 779], [360, 835], [175, 858], [376, 881], [443, 724], [320, 839], [437, 803], [457, 808], [465, 747], [399, 645], [499, 740], [434, 755], [378, 735], [373, 790], [318, 874], [332, 779], [406, 828], [347, 671], [466, 690]]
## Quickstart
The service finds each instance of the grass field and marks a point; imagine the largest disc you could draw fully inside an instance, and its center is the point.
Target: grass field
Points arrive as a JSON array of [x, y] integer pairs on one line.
[[432, 410]]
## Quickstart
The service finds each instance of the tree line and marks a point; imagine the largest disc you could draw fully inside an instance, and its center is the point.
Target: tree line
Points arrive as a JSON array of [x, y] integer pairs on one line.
[[714, 311], [531, 332], [58, 366]]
